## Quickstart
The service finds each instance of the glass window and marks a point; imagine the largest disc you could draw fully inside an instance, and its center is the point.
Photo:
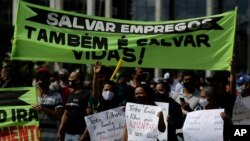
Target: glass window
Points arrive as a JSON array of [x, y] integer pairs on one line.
[[75, 5], [39, 2]]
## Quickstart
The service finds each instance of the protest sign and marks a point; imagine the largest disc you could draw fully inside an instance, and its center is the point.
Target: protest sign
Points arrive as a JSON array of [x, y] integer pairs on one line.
[[46, 34], [203, 125], [18, 121], [164, 136], [241, 111], [142, 122], [107, 125]]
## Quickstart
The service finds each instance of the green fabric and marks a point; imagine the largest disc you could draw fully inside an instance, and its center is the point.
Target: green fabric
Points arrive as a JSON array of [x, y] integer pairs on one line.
[[18, 120], [45, 34]]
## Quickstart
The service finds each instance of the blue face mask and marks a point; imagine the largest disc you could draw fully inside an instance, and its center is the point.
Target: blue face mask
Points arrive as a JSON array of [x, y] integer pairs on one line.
[[107, 95]]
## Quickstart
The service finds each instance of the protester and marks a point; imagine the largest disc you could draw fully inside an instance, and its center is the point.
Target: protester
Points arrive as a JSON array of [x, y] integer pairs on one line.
[[224, 99], [7, 80], [152, 85], [188, 77], [126, 92], [137, 77], [104, 96], [145, 95], [243, 85], [63, 86], [54, 82], [208, 101], [188, 97], [175, 118], [50, 107], [73, 123]]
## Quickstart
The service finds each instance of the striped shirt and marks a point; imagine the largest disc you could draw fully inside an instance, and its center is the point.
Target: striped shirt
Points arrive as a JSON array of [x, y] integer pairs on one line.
[[48, 126]]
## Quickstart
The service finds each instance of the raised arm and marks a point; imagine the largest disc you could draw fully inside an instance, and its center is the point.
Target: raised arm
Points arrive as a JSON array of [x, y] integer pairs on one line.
[[95, 86]]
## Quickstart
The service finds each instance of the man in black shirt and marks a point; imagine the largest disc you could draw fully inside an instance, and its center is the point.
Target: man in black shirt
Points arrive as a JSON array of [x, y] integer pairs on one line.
[[73, 123]]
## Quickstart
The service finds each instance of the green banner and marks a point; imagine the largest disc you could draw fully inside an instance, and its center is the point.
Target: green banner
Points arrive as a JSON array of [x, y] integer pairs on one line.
[[18, 121], [45, 34]]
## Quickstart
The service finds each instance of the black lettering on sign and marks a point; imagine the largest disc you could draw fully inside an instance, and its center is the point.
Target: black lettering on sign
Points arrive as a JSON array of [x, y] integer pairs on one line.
[[129, 55], [58, 38]]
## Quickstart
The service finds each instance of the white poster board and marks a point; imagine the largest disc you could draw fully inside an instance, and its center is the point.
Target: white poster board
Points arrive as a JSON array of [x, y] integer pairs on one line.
[[107, 125], [163, 136], [203, 125], [142, 122], [241, 111]]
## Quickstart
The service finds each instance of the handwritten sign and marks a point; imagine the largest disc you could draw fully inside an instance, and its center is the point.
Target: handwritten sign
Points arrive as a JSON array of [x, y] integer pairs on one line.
[[163, 136], [107, 125], [203, 125], [241, 111], [142, 122]]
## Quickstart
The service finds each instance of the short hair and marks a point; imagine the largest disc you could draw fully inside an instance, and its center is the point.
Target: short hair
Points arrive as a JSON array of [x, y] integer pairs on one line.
[[149, 91], [209, 91], [166, 86]]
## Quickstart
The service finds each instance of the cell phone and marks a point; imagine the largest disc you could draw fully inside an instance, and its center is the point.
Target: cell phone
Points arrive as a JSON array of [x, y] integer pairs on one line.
[[182, 100]]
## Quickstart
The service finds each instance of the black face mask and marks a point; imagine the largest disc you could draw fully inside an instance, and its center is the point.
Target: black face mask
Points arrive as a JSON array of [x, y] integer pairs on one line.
[[44, 85], [189, 85], [73, 84], [63, 77], [160, 97], [140, 99]]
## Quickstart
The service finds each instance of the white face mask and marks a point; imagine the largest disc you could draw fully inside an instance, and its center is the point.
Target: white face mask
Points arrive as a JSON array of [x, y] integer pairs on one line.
[[203, 102], [54, 86], [107, 95]]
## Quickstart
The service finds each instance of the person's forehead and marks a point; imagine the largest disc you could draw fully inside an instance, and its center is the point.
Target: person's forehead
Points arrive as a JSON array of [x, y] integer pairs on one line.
[[139, 70], [159, 85], [187, 76], [203, 94], [107, 86], [139, 89]]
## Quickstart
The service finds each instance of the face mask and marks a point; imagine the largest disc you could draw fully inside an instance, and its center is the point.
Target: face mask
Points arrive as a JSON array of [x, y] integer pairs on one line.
[[140, 78], [54, 86], [63, 77], [140, 99], [160, 96], [203, 102], [73, 84], [107, 95]]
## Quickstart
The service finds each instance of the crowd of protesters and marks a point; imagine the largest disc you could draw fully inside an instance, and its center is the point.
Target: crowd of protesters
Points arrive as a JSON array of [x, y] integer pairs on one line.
[[64, 97]]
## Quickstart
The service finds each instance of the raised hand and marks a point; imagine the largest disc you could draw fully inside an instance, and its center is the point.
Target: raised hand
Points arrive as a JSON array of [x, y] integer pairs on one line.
[[97, 67]]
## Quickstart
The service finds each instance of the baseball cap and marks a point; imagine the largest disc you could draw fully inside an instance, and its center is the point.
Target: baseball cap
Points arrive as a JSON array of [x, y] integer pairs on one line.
[[243, 79]]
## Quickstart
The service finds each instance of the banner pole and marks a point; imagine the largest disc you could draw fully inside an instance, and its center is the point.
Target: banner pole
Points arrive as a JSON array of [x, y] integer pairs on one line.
[[119, 64]]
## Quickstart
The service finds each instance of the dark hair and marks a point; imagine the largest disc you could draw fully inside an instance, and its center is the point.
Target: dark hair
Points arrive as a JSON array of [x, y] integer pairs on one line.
[[55, 75], [112, 83], [189, 73], [150, 93], [165, 85], [80, 75], [43, 76]]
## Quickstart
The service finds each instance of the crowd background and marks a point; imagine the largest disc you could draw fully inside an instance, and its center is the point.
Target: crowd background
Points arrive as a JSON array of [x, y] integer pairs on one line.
[[76, 93]]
